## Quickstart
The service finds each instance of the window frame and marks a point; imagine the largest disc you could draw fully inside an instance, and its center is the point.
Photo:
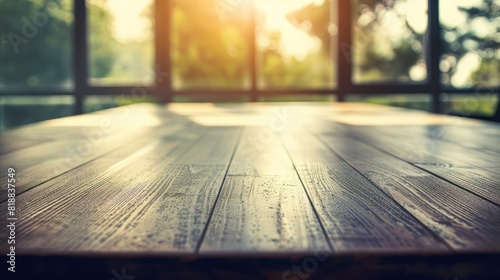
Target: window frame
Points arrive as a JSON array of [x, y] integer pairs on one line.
[[163, 91]]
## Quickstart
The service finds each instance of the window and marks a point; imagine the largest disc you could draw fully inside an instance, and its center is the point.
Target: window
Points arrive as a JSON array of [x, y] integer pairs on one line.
[[29, 109], [100, 102], [35, 44], [120, 40], [294, 42], [209, 49], [470, 104], [421, 54], [411, 101], [389, 41], [470, 33]]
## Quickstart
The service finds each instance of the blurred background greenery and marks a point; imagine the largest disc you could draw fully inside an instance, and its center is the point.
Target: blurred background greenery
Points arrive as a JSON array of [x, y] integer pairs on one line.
[[295, 42]]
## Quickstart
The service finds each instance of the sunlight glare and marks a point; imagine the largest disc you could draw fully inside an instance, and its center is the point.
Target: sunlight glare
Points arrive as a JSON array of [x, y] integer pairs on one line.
[[450, 16], [130, 23], [466, 66], [295, 42], [415, 13]]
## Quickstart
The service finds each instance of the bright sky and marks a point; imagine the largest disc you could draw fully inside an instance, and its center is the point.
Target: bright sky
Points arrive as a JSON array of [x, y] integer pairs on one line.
[[450, 15], [295, 42], [130, 24]]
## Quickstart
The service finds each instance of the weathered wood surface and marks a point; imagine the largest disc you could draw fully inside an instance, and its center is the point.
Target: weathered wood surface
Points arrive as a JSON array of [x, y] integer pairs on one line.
[[465, 221], [206, 179], [357, 216], [263, 206]]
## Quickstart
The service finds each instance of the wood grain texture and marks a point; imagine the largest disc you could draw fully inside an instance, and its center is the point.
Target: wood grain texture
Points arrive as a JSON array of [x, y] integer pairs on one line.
[[183, 179], [39, 163], [482, 182], [422, 148], [419, 149], [483, 137], [84, 214], [10, 143], [92, 136], [263, 206], [357, 216], [465, 221], [173, 220], [471, 169], [128, 199]]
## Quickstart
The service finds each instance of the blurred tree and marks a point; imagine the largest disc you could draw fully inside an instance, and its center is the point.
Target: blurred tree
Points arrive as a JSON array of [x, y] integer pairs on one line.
[[378, 54], [35, 40], [316, 21], [208, 51], [119, 54], [316, 69], [472, 37], [102, 45]]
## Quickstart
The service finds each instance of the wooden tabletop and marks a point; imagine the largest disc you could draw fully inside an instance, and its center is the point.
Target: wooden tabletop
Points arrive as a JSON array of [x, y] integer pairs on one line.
[[254, 179]]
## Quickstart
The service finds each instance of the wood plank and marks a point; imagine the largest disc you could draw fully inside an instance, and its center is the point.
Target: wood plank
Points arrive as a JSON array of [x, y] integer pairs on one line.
[[437, 156], [33, 134], [43, 162], [482, 182], [174, 219], [479, 137], [38, 131], [420, 149], [494, 169], [91, 136], [471, 148], [263, 206], [78, 182], [10, 143], [465, 221], [357, 216], [155, 192], [153, 200]]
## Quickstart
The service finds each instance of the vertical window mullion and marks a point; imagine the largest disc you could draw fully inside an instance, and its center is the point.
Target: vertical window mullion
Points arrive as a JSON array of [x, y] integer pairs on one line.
[[163, 67], [254, 93], [434, 55], [80, 55], [344, 49]]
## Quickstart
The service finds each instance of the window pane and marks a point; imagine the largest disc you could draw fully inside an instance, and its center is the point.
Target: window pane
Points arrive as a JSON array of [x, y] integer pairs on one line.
[[100, 102], [17, 111], [413, 101], [473, 104], [121, 42], [471, 48], [294, 43], [35, 44], [209, 44], [295, 98], [389, 41], [223, 98]]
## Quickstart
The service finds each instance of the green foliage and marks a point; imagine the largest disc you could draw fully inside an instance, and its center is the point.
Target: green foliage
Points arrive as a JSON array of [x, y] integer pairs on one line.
[[103, 47], [35, 42], [466, 40], [207, 51], [316, 69], [315, 20], [377, 55]]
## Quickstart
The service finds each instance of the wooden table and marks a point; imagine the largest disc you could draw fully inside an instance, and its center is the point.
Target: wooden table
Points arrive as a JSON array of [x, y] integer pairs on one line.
[[194, 183]]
